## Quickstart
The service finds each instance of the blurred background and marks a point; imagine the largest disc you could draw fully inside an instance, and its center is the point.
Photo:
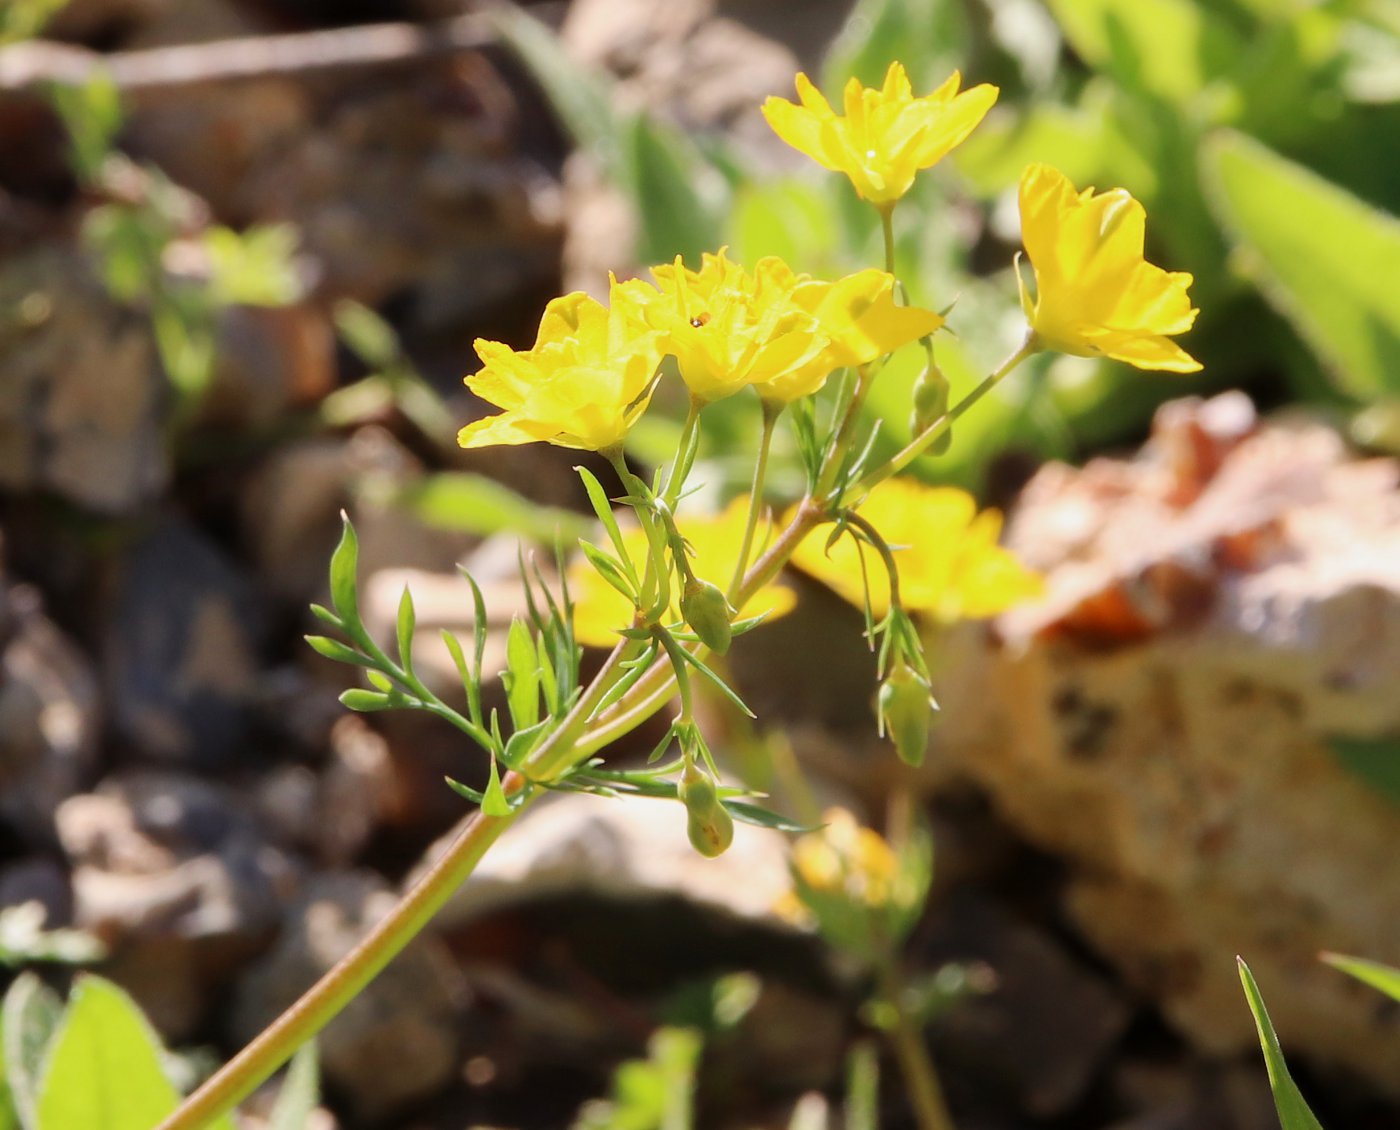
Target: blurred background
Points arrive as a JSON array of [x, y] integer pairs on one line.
[[245, 248]]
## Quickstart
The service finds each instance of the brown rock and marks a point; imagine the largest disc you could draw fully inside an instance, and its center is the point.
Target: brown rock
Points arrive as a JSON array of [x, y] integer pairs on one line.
[[1179, 754]]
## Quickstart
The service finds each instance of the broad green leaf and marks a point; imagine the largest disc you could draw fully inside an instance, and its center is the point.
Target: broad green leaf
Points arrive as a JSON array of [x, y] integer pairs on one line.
[[1070, 138], [30, 1016], [1293, 1111], [300, 1093], [103, 1069], [478, 504], [1169, 48], [879, 32], [1384, 978], [1320, 256], [796, 220], [1375, 760], [679, 196]]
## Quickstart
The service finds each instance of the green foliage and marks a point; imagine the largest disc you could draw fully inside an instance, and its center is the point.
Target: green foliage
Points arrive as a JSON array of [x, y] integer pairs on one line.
[[655, 1093], [1376, 761], [1317, 253], [1293, 1110], [24, 19], [479, 504], [1383, 978]]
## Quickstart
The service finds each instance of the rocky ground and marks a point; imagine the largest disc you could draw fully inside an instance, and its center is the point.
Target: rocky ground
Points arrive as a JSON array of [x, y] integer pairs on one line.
[[1169, 761]]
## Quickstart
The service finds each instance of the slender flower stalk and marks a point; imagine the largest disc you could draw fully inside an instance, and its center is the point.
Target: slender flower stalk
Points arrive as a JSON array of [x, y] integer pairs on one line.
[[926, 439], [771, 412]]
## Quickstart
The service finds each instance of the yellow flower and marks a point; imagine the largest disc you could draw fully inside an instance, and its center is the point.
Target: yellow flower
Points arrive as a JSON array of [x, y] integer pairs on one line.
[[585, 382], [1095, 295], [842, 857], [600, 610], [949, 563], [886, 136], [728, 329], [781, 332]]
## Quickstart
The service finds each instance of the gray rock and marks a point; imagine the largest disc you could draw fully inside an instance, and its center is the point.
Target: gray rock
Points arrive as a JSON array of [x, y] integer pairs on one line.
[[407, 1017], [49, 717], [179, 651], [82, 406]]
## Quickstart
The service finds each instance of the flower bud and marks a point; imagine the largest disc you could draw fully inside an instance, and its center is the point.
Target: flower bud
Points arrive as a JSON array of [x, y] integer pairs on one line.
[[905, 710], [708, 614], [708, 823], [930, 403]]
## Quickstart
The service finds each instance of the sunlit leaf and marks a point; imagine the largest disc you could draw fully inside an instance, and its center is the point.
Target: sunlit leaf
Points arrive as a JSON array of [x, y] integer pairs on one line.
[[1293, 1111]]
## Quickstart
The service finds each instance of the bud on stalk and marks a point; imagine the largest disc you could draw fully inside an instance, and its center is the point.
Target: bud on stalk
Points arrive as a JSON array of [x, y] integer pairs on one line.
[[708, 614]]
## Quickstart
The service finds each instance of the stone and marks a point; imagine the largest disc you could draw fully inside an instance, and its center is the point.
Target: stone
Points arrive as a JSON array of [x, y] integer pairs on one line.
[[180, 648], [173, 874], [50, 716], [1040, 1035], [574, 844], [83, 403], [406, 1017], [1222, 620]]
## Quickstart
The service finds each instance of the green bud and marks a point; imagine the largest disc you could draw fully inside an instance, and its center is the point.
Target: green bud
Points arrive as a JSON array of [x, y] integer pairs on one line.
[[931, 402], [905, 711], [708, 823], [362, 700], [708, 614]]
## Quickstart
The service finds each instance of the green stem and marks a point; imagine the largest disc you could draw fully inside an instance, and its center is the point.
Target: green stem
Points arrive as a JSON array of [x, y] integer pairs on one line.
[[320, 1003], [275, 1044], [910, 1049], [685, 454], [887, 226], [925, 439], [836, 452], [771, 411]]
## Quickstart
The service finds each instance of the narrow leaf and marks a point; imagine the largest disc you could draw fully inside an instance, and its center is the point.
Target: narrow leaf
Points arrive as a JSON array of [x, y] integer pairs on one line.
[[1293, 1111], [720, 685], [1385, 978], [495, 802], [464, 790], [522, 676], [403, 629], [103, 1070], [609, 569], [344, 563], [602, 507], [326, 616], [334, 649], [763, 818]]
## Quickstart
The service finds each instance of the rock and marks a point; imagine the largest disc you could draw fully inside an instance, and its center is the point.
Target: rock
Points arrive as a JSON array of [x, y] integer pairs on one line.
[[1040, 1036], [290, 516], [174, 875], [271, 361], [406, 1017], [1222, 619], [180, 649], [82, 406], [584, 845], [49, 717]]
